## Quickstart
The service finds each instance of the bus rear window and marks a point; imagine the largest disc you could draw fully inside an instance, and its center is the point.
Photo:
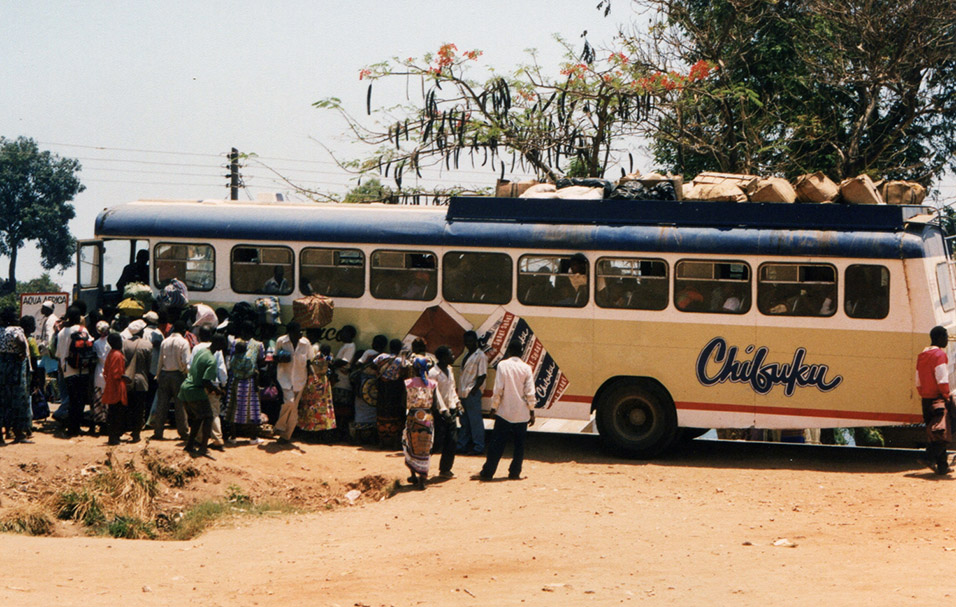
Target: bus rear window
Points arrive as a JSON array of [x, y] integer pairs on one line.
[[792, 289], [867, 291], [476, 277], [716, 287], [332, 272], [403, 275], [632, 283], [194, 264], [553, 280], [258, 269]]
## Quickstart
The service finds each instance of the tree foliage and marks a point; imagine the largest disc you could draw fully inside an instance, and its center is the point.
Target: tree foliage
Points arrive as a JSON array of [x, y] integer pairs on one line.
[[528, 119], [370, 190], [43, 284], [35, 190], [755, 86], [843, 86]]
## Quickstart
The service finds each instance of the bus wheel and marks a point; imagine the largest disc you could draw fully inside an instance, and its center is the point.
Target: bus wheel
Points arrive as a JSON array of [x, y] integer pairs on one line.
[[635, 421]]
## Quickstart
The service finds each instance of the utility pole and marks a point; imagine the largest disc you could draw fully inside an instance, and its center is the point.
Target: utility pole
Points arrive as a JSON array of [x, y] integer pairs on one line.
[[234, 174]]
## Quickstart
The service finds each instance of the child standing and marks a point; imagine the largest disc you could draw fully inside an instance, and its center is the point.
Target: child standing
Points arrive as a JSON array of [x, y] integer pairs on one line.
[[114, 388]]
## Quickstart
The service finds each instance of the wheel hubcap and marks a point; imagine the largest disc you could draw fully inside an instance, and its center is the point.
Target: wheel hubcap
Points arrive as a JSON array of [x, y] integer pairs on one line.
[[637, 416]]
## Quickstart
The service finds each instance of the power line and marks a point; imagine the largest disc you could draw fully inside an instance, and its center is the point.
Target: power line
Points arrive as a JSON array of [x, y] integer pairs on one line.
[[151, 162], [139, 151], [144, 172], [138, 182]]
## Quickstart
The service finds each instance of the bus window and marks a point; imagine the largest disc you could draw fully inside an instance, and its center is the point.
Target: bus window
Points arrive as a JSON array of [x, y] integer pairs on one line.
[[332, 272], [627, 282], [717, 287], [476, 277], [945, 286], [117, 255], [194, 264], [791, 289], [867, 291], [403, 275], [259, 269], [553, 280]]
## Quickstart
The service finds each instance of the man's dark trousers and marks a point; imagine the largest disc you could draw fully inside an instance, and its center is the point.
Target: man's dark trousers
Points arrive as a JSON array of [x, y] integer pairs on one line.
[[500, 434]]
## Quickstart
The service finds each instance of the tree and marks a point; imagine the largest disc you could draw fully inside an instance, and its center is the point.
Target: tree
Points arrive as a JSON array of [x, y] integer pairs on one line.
[[43, 284], [843, 86], [35, 190], [541, 123], [371, 190]]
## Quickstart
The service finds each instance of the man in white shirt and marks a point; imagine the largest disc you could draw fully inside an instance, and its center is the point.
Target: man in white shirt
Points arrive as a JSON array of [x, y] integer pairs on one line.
[[512, 406], [291, 376], [77, 381], [173, 364], [446, 424], [45, 335], [474, 370]]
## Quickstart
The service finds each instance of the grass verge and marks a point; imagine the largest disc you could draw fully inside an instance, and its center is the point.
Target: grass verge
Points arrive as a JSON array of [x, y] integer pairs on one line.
[[29, 519], [204, 515]]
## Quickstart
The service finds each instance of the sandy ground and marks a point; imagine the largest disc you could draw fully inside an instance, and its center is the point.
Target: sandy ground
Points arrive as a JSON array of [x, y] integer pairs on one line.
[[698, 527]]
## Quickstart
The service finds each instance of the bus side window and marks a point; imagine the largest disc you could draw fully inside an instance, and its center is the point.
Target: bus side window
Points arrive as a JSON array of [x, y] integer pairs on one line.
[[194, 264], [790, 289], [332, 272], [261, 269], [636, 284], [716, 287], [553, 280], [410, 275], [866, 291], [476, 277]]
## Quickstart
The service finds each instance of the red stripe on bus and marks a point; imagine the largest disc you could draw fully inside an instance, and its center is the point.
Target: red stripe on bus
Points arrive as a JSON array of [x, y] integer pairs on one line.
[[572, 398], [905, 418]]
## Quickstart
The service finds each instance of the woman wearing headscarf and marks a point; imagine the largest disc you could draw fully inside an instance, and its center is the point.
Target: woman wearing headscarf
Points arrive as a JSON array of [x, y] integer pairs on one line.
[[421, 398], [13, 396], [243, 406], [102, 349]]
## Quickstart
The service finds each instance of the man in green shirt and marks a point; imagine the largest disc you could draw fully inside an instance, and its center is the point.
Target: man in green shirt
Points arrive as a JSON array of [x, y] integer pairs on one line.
[[199, 384]]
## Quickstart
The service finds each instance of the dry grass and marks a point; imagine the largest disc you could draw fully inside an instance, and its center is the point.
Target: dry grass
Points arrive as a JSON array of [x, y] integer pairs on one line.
[[176, 474], [132, 498], [29, 519], [117, 490]]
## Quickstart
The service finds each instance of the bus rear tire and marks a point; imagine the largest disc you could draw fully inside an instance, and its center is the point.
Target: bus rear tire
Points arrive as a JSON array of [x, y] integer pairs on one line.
[[636, 420]]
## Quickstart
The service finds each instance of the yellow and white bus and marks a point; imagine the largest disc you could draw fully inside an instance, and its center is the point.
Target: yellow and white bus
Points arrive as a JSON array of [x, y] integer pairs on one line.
[[661, 317]]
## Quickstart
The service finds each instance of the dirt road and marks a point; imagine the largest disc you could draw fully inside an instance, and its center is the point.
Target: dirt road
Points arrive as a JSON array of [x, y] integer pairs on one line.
[[699, 527]]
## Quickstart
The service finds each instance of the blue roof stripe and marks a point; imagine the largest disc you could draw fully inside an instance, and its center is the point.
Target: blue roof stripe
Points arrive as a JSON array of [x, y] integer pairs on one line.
[[287, 223]]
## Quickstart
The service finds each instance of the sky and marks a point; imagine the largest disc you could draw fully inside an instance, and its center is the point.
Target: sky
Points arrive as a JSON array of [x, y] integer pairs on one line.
[[150, 97]]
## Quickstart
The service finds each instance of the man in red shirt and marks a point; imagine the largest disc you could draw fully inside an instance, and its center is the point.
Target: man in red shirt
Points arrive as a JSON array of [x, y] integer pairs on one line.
[[932, 383]]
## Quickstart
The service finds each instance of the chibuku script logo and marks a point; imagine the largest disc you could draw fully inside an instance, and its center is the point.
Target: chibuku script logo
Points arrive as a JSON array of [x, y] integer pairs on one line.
[[761, 376]]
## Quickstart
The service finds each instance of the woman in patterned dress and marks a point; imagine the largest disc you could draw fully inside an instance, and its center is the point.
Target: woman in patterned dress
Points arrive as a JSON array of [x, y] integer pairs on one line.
[[102, 349], [391, 395], [243, 407], [316, 413], [421, 397], [13, 395]]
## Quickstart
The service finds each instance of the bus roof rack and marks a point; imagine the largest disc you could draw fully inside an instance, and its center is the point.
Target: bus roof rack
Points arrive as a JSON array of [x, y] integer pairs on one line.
[[758, 215]]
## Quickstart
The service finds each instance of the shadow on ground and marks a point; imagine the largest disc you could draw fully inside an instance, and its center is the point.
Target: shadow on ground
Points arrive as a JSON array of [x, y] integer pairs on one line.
[[558, 448]]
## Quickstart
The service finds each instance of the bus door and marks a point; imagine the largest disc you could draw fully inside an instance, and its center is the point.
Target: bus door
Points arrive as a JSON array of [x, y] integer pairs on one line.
[[100, 263], [89, 275]]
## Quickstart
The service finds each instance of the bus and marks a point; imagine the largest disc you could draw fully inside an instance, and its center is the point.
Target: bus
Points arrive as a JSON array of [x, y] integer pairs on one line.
[[658, 319]]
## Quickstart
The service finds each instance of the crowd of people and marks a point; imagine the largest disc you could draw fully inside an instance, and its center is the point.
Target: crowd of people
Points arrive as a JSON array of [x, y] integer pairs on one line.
[[223, 378]]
